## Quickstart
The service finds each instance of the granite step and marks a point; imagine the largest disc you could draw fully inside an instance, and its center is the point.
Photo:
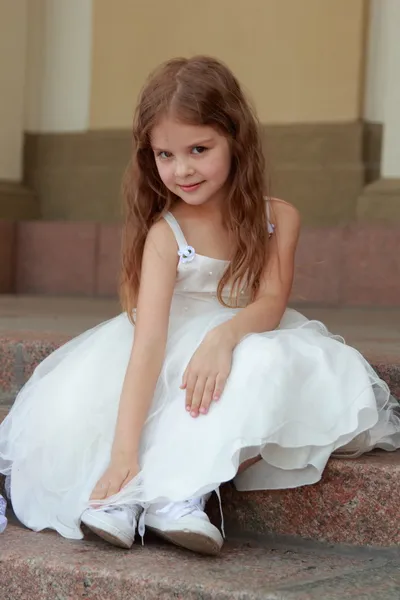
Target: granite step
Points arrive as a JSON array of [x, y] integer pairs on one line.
[[31, 328], [44, 566], [21, 352], [357, 500], [350, 265], [356, 503]]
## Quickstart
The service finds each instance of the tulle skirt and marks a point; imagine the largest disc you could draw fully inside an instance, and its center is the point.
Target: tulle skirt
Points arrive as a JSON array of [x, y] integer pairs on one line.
[[295, 396]]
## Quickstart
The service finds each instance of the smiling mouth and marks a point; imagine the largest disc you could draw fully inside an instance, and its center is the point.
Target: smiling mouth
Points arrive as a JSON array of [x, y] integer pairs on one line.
[[193, 186]]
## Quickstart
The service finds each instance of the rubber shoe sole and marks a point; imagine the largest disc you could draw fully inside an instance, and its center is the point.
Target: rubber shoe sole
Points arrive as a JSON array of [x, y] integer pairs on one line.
[[105, 529], [190, 533]]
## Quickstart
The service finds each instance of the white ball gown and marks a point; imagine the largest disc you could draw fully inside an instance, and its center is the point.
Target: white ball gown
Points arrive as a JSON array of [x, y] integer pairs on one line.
[[294, 396]]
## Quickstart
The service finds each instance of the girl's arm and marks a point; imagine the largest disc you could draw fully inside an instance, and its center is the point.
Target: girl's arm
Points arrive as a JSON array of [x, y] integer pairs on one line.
[[266, 312], [147, 355], [208, 370]]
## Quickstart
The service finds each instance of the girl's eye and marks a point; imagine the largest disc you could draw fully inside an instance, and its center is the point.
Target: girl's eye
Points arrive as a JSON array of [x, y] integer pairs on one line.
[[164, 154], [198, 149]]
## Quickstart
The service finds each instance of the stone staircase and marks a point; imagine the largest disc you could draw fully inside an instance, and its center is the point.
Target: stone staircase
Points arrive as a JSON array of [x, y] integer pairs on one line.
[[350, 265], [337, 539], [46, 567]]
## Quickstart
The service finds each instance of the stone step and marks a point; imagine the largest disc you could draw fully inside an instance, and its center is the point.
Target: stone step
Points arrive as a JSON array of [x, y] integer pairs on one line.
[[44, 566], [21, 352], [32, 327], [352, 265], [357, 500]]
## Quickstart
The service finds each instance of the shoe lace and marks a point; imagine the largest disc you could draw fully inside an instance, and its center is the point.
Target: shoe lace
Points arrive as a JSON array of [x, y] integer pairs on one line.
[[178, 510], [184, 508], [133, 510], [191, 506], [138, 514]]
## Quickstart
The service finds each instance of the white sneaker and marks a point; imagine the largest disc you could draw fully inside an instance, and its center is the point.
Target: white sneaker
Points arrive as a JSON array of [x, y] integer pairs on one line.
[[185, 524], [115, 524]]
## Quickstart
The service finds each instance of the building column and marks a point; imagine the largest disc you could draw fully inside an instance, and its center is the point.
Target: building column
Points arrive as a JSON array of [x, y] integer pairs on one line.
[[15, 201], [45, 76], [57, 109], [58, 66], [381, 199], [13, 21]]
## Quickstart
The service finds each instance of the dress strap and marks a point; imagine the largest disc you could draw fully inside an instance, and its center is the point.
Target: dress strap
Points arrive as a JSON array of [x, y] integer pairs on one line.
[[177, 231], [271, 226]]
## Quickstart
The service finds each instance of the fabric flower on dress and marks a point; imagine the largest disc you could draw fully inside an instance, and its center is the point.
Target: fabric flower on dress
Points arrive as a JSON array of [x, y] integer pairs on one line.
[[187, 254]]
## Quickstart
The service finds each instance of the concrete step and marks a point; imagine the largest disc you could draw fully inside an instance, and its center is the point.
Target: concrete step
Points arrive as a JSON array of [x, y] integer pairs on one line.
[[44, 566], [32, 327], [357, 500], [352, 265], [21, 352], [356, 503]]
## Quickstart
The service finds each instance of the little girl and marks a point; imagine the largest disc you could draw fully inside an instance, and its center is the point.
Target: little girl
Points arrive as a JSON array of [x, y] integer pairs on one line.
[[207, 375]]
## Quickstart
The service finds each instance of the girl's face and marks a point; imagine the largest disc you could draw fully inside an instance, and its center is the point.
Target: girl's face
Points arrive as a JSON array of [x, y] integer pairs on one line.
[[193, 161]]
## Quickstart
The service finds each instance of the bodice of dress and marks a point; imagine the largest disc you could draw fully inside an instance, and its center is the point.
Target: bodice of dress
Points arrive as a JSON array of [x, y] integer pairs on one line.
[[198, 276]]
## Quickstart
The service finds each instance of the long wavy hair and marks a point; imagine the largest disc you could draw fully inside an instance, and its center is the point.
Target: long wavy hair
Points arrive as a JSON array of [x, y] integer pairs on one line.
[[200, 91]]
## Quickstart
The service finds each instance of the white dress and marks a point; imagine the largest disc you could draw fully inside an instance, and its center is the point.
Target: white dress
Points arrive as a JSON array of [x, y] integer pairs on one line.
[[295, 395]]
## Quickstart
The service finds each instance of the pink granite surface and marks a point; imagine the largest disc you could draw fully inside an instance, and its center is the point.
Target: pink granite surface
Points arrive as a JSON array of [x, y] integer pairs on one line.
[[371, 266], [44, 566], [356, 503], [108, 260], [7, 256], [318, 266], [56, 258], [354, 266], [20, 353], [389, 372], [9, 384]]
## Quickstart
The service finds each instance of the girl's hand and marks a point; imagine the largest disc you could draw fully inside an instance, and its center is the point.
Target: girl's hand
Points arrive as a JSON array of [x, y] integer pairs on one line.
[[118, 474], [205, 376]]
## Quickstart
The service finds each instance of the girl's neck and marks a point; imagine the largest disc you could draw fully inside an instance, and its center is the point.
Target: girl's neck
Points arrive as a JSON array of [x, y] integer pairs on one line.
[[212, 209], [203, 212]]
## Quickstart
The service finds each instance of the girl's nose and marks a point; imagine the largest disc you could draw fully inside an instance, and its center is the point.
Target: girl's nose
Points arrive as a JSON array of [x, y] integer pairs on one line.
[[183, 168]]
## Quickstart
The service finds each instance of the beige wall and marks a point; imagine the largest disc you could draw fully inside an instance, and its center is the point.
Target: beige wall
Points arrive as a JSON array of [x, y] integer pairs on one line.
[[301, 60], [12, 83]]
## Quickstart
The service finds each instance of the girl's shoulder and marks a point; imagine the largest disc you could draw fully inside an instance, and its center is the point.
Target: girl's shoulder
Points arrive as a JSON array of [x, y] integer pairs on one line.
[[161, 238], [282, 213]]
